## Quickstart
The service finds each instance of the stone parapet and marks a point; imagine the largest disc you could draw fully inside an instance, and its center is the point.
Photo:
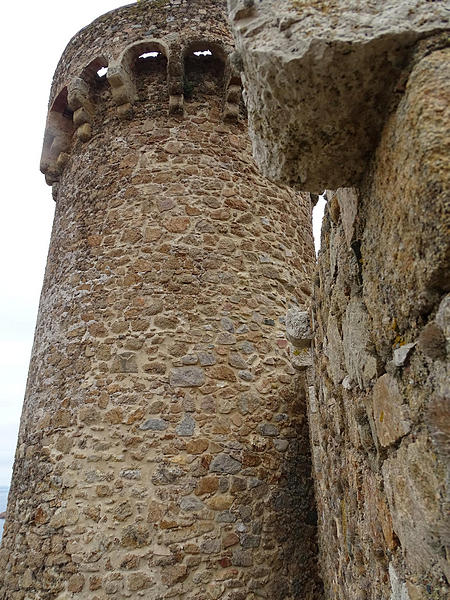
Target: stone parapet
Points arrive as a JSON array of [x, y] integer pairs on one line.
[[171, 31], [380, 418], [356, 94]]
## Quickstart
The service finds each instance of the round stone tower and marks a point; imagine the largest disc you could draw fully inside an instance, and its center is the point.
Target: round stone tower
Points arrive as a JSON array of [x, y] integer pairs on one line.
[[163, 449]]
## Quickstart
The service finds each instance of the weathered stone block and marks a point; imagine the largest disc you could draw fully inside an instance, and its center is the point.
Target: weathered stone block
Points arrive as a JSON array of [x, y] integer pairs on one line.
[[242, 558], [191, 503], [401, 354], [125, 363], [139, 581], [301, 358], [398, 587], [347, 199], [411, 159], [414, 483], [187, 426], [269, 430], [443, 316], [333, 349], [432, 341], [84, 132], [223, 463], [154, 425], [64, 517], [314, 118], [390, 413], [187, 377], [298, 327], [360, 363], [76, 583]]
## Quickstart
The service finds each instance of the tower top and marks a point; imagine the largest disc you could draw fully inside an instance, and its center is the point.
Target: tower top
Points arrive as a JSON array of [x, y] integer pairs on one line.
[[112, 44], [176, 21]]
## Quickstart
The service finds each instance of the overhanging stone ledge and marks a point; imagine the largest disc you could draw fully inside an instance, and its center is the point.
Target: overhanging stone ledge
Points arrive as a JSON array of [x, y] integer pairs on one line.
[[320, 78]]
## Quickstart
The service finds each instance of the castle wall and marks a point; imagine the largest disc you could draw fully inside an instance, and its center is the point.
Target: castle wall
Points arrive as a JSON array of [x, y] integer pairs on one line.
[[379, 407], [163, 449], [379, 424]]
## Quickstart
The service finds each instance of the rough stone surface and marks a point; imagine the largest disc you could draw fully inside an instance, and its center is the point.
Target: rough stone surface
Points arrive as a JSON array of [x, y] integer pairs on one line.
[[164, 449], [187, 377], [301, 358], [360, 362], [345, 94], [298, 327], [401, 354], [443, 318], [379, 416], [389, 411], [415, 504], [225, 464], [320, 77], [154, 425], [398, 587], [347, 200], [187, 427]]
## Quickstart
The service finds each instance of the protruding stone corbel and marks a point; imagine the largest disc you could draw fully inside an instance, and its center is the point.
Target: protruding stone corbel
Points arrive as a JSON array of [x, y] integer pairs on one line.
[[82, 106], [233, 89], [55, 150], [299, 333], [175, 80], [123, 89]]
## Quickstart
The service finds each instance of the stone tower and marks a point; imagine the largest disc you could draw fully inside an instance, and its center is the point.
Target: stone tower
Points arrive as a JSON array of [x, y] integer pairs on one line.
[[163, 449]]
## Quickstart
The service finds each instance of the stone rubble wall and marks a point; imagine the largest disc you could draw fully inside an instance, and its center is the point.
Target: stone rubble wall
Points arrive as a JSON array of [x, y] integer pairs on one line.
[[379, 399], [380, 417], [164, 449]]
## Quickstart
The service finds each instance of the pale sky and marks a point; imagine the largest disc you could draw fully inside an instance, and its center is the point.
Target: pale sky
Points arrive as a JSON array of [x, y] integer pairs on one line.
[[33, 38]]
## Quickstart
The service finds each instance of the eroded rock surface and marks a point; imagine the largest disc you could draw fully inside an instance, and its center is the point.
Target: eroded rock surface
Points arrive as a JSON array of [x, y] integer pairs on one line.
[[320, 78]]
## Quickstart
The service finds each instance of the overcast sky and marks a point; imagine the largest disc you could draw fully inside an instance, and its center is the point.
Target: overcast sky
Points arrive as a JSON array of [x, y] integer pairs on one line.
[[33, 38]]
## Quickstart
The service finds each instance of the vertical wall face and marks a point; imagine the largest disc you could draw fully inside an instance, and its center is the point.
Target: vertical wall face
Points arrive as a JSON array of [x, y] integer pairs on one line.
[[380, 424], [163, 448], [379, 418]]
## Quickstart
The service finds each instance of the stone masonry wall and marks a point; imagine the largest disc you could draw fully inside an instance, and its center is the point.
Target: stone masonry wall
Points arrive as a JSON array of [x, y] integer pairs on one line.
[[380, 422], [163, 449], [379, 404]]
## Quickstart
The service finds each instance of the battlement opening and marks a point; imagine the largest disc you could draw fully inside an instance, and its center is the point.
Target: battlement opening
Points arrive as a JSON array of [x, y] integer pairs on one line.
[[153, 54], [100, 87], [151, 62], [203, 53], [60, 115], [151, 79], [61, 105], [94, 73], [204, 66], [57, 138], [60, 118]]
